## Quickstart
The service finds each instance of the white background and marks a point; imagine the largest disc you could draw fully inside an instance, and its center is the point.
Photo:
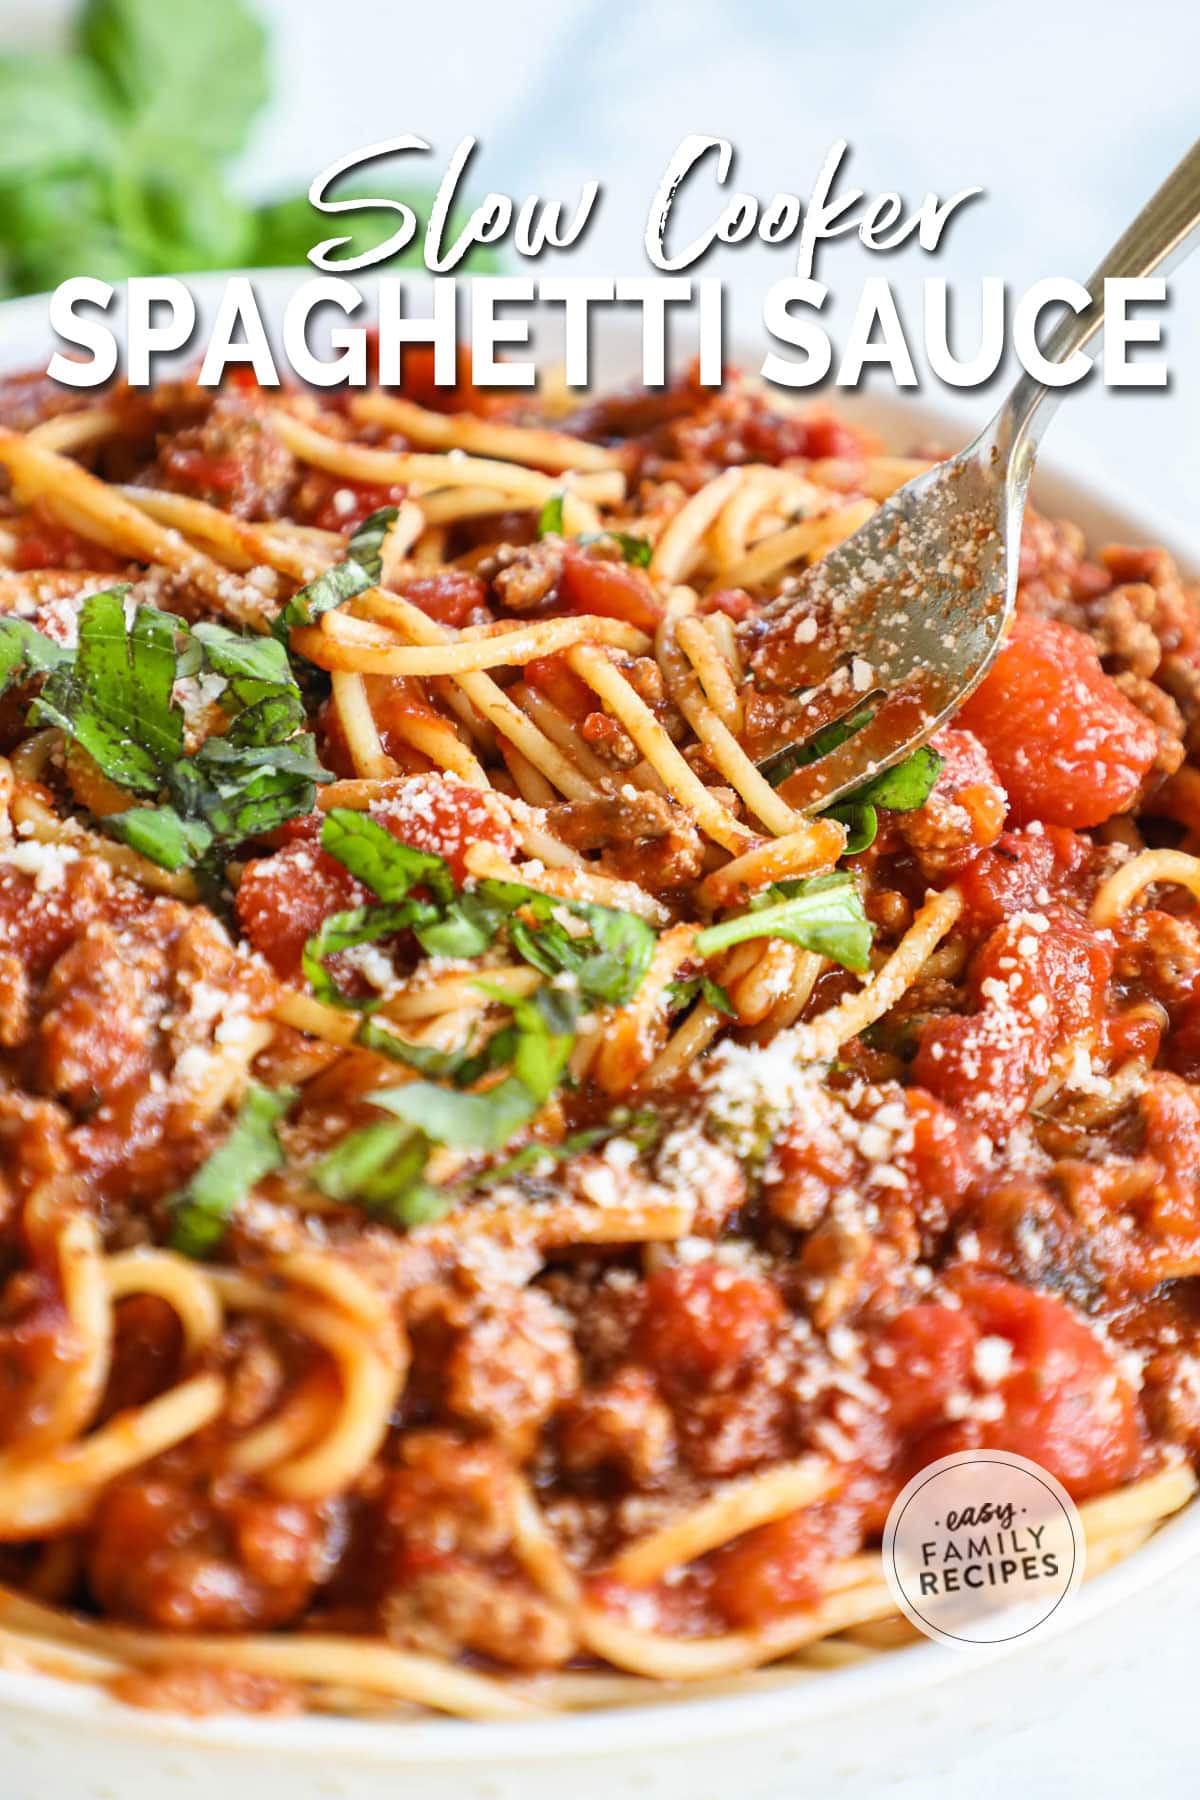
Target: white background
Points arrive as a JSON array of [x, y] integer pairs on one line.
[[1068, 115]]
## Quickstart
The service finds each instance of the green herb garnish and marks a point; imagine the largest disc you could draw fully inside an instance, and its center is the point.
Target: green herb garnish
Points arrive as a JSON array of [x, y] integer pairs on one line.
[[113, 696], [26, 652], [380, 1167], [543, 1030], [202, 1212], [823, 913], [680, 994], [636, 550], [904, 788], [358, 570]]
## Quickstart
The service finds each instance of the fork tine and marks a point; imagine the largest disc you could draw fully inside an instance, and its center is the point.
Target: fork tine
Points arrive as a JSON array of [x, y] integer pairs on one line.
[[900, 718]]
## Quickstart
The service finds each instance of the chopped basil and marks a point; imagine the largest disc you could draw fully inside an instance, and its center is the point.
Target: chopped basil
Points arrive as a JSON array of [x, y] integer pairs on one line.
[[636, 550], [25, 651], [820, 744], [543, 1027], [680, 994], [903, 788], [343, 931], [550, 519], [202, 1212], [607, 961], [380, 861], [360, 569], [380, 1167], [114, 697], [462, 1065], [823, 913], [161, 836]]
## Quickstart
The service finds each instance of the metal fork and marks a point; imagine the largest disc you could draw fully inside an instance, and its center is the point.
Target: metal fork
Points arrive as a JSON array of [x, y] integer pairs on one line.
[[902, 620]]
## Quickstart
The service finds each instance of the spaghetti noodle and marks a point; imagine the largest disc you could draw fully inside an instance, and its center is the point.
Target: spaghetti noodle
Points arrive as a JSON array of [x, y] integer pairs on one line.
[[494, 1201]]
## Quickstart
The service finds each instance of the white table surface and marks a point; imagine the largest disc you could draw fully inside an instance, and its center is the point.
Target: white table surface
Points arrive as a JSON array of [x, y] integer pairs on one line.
[[1068, 116]]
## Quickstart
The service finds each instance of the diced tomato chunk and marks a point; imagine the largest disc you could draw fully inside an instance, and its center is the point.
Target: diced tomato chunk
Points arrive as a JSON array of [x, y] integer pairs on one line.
[[1066, 744], [1066, 1404], [451, 596], [446, 816], [552, 676], [1039, 982], [612, 590], [703, 1323], [781, 1566], [1063, 1401], [941, 1160], [921, 1359], [282, 899], [1021, 872], [347, 503]]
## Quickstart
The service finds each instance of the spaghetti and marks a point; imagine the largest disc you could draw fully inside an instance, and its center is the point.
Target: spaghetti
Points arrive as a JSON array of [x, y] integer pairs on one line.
[[494, 1201]]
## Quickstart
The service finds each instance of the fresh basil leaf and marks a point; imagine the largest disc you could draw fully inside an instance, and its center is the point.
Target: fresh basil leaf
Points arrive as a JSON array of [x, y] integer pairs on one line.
[[240, 658], [160, 835], [195, 74], [680, 994], [467, 928], [487, 1120], [380, 1167], [636, 550], [820, 744], [903, 788], [202, 1212], [114, 699], [550, 519], [861, 822], [26, 651], [365, 543], [243, 791], [608, 963], [465, 1121], [380, 861], [359, 570], [270, 719], [823, 913], [343, 931], [169, 202], [452, 1065]]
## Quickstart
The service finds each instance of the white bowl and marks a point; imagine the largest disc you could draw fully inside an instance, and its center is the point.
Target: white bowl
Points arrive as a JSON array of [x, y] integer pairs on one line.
[[925, 1705]]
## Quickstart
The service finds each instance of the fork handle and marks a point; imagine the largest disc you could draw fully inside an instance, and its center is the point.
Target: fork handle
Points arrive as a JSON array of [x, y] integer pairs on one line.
[[1164, 232]]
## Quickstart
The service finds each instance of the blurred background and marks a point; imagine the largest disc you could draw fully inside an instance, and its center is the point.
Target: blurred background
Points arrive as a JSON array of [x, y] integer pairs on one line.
[[1068, 116]]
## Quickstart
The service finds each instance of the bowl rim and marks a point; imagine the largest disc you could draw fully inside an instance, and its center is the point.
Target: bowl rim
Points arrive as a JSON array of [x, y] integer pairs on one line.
[[1098, 500]]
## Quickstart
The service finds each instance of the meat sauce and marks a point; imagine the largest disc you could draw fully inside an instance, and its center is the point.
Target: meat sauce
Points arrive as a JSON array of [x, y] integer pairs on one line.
[[957, 1223]]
